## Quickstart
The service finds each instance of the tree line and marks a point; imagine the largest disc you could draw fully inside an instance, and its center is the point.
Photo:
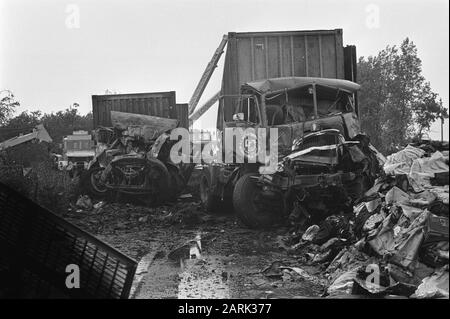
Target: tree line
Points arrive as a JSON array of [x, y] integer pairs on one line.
[[396, 102], [58, 124]]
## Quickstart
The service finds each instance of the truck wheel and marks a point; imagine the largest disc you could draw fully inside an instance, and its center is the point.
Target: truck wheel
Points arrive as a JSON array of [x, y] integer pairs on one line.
[[176, 184], [159, 178], [250, 208], [91, 182], [210, 201]]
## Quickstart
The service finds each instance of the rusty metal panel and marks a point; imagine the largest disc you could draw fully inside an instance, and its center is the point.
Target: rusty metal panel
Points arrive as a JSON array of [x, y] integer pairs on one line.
[[260, 55], [162, 104]]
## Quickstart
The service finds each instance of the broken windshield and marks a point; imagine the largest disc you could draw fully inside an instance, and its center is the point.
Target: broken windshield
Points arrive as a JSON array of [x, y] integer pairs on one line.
[[298, 105], [246, 108]]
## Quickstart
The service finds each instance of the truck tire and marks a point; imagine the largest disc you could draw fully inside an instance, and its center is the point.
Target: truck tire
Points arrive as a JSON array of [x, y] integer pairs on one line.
[[89, 182], [176, 184], [161, 180], [249, 207], [210, 201]]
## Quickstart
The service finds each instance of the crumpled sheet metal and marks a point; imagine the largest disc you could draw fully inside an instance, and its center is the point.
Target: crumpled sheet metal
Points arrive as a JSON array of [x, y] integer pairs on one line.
[[420, 170], [400, 162], [396, 195], [343, 285], [402, 244], [434, 286]]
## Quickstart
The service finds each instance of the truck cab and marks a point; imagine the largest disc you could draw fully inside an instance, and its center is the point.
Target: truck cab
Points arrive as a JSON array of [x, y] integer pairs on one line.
[[297, 107]]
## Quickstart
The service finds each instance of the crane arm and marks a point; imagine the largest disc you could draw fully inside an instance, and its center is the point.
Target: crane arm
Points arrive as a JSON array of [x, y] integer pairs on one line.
[[207, 75]]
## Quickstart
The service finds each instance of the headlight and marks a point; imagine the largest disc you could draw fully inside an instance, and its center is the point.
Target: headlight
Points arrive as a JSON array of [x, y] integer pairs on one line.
[[280, 167], [267, 170], [315, 127]]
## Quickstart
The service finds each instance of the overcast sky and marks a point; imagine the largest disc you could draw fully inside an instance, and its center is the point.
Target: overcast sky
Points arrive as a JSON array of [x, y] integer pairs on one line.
[[50, 59]]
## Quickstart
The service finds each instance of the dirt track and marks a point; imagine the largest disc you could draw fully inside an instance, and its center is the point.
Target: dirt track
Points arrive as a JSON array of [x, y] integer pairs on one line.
[[187, 253]]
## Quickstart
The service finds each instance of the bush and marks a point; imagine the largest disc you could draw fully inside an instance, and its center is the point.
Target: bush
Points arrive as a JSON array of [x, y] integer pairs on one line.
[[55, 189]]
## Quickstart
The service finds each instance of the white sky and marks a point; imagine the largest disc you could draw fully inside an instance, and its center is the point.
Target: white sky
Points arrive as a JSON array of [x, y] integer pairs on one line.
[[147, 46]]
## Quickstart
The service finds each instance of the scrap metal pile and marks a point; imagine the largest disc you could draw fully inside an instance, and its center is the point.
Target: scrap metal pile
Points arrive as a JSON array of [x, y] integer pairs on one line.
[[395, 242]]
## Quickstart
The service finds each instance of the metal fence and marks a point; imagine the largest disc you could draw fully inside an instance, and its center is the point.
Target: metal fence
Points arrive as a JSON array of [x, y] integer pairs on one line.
[[36, 246]]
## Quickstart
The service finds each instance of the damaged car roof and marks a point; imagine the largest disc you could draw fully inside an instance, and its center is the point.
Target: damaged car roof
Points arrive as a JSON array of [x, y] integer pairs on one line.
[[275, 85]]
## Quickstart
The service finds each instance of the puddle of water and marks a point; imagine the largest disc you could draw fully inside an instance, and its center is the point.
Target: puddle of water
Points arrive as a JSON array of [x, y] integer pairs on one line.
[[202, 276]]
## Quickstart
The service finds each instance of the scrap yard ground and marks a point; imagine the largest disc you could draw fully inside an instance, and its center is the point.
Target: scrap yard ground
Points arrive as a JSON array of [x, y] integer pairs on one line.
[[229, 258], [398, 230]]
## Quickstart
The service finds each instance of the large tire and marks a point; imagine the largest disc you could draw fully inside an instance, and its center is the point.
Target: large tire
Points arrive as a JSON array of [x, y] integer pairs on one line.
[[176, 184], [210, 201], [250, 208], [162, 183]]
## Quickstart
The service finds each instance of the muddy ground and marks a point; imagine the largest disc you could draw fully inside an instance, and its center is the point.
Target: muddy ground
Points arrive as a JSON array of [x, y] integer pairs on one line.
[[184, 252]]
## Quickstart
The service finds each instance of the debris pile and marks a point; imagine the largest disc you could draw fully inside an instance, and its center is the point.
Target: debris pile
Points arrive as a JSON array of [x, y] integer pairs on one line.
[[396, 241], [130, 227]]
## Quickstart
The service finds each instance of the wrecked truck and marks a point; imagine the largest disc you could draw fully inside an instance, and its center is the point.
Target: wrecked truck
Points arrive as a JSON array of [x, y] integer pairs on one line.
[[323, 158], [133, 158]]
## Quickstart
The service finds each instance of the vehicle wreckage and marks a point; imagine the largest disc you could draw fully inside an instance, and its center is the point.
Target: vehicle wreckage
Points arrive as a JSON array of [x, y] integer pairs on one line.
[[133, 158], [325, 163], [324, 175]]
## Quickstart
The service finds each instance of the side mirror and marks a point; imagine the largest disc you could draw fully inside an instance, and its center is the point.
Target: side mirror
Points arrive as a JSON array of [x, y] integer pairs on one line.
[[238, 117]]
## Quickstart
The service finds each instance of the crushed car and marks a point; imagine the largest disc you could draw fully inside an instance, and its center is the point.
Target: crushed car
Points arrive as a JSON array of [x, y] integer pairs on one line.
[[133, 158]]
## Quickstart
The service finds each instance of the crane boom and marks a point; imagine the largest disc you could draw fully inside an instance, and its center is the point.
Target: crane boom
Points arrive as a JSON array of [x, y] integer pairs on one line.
[[205, 107], [207, 75]]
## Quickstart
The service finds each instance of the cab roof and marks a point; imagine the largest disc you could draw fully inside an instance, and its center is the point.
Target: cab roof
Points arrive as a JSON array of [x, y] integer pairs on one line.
[[276, 85]]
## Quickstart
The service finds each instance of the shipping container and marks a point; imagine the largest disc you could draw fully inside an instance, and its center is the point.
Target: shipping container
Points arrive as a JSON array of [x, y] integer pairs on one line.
[[182, 111], [162, 104], [254, 56]]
